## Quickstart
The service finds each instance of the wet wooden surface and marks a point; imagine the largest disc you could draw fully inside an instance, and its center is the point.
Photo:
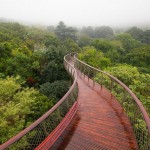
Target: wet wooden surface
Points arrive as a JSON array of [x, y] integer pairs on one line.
[[100, 122]]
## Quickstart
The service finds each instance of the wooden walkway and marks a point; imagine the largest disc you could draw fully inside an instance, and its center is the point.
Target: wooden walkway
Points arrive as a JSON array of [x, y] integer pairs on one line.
[[100, 123]]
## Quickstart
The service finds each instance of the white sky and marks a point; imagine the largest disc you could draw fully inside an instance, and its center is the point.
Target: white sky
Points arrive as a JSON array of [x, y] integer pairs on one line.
[[78, 12]]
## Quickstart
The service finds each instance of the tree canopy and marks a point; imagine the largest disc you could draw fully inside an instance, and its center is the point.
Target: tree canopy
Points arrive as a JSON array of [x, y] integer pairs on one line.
[[32, 75]]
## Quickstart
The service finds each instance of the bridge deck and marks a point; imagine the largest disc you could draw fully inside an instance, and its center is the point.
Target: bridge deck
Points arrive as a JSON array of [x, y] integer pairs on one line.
[[100, 122]]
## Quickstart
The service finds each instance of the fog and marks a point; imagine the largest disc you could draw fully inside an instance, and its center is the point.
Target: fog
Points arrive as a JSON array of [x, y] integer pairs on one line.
[[78, 12]]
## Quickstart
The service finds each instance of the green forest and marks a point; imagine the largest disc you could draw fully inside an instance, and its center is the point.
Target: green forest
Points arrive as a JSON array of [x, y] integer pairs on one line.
[[32, 75]]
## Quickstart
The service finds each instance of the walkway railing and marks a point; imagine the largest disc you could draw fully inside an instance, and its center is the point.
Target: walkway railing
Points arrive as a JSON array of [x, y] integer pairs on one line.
[[135, 111], [45, 131]]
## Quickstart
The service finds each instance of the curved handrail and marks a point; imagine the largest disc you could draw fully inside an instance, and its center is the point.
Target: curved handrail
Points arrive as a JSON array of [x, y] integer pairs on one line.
[[134, 97], [73, 73]]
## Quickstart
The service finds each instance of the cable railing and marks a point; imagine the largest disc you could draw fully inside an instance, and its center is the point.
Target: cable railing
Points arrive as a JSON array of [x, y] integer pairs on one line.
[[132, 106], [46, 132]]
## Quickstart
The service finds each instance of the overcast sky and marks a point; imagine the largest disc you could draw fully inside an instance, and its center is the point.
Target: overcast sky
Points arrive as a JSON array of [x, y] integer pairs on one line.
[[78, 12]]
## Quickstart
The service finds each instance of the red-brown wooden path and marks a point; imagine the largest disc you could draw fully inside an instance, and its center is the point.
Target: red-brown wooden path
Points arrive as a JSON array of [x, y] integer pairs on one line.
[[100, 122]]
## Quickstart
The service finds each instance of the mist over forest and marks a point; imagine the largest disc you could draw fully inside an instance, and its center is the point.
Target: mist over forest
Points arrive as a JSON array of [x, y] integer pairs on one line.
[[33, 45]]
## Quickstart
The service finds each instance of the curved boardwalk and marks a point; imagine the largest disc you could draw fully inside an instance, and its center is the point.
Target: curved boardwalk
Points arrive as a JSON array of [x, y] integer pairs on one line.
[[100, 122]]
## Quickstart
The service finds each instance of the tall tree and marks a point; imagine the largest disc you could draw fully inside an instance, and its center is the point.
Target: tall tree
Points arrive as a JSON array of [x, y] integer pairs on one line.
[[127, 41], [63, 32], [103, 32], [135, 32]]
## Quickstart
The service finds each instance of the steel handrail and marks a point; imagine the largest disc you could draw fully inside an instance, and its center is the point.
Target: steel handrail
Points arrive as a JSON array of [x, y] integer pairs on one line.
[[48, 113]]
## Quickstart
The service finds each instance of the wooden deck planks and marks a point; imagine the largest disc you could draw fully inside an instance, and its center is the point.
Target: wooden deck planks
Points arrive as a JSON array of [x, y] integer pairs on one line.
[[100, 122]]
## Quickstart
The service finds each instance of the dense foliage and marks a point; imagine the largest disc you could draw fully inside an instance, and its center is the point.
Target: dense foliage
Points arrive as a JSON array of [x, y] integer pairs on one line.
[[93, 57], [139, 34], [19, 106], [139, 83], [129, 62], [98, 32], [32, 75], [113, 55]]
